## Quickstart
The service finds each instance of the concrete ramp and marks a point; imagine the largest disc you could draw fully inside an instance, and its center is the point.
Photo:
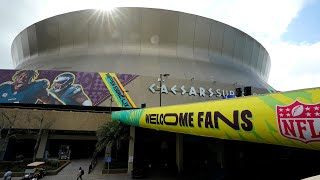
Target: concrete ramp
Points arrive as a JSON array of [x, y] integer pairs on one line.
[[99, 167], [70, 172]]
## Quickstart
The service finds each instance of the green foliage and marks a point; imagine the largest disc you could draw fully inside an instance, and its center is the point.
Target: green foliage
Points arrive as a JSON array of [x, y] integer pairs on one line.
[[111, 133]]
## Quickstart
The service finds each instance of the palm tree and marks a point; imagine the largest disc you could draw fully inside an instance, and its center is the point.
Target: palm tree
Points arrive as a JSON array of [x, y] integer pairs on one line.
[[110, 134]]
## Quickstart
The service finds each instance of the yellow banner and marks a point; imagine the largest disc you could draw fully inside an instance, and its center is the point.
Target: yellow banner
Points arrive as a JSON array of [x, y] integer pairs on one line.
[[288, 118]]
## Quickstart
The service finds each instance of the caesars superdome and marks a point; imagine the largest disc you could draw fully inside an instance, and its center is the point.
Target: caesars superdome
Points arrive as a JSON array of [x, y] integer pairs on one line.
[[76, 69], [194, 50]]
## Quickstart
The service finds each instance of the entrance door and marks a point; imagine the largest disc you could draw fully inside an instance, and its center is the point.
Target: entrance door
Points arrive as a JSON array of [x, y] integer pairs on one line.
[[155, 151], [80, 149]]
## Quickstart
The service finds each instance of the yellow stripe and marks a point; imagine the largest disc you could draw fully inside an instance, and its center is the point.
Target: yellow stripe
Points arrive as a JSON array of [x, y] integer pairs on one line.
[[124, 90], [104, 76]]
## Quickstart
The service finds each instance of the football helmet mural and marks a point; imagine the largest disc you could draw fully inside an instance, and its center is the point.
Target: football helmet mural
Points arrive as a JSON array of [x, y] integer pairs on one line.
[[64, 87], [62, 81]]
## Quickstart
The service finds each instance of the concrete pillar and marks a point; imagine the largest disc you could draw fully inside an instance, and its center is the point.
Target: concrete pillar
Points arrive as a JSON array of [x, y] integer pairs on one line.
[[42, 145], [220, 155], [131, 148], [179, 152]]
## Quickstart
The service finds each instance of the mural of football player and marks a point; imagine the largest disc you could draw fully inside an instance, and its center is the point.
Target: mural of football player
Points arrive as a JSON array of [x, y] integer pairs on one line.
[[66, 90], [26, 88]]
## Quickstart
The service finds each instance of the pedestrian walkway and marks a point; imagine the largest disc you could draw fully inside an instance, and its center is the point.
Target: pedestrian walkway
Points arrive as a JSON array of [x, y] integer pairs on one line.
[[70, 172]]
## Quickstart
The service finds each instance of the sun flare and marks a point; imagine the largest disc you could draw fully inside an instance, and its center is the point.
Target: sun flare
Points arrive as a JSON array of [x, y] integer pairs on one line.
[[106, 6]]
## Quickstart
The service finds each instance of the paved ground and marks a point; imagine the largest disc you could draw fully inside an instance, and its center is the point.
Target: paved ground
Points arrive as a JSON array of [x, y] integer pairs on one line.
[[71, 170]]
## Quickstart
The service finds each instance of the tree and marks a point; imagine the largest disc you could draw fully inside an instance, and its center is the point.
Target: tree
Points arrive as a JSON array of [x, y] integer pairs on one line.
[[6, 122], [41, 124], [110, 134]]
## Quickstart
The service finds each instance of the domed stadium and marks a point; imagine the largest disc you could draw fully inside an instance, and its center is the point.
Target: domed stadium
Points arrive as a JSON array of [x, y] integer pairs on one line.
[[160, 58]]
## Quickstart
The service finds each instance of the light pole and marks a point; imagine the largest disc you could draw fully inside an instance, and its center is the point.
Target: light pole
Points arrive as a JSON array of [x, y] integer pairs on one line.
[[111, 100], [123, 96], [162, 75]]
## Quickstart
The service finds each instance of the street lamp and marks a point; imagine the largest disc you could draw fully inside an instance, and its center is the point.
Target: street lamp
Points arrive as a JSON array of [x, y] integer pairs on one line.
[[123, 96], [111, 100], [162, 75]]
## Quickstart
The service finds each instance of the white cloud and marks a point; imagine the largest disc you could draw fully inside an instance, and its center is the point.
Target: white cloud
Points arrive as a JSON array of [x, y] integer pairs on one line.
[[265, 20], [294, 66]]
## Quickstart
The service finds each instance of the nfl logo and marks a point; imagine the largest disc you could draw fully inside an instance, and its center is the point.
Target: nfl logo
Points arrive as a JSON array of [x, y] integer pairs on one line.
[[299, 121]]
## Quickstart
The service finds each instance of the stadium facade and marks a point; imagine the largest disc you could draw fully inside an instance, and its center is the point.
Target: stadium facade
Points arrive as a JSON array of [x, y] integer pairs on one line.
[[161, 57]]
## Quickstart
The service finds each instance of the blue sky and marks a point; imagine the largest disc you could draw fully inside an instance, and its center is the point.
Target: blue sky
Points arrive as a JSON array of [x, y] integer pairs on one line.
[[288, 29], [306, 27]]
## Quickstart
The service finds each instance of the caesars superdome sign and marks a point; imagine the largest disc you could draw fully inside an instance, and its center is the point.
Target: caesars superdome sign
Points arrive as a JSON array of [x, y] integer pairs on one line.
[[191, 91]]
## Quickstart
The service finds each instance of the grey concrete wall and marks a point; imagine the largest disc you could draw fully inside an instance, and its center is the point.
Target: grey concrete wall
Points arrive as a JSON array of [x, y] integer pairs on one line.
[[55, 120], [139, 91]]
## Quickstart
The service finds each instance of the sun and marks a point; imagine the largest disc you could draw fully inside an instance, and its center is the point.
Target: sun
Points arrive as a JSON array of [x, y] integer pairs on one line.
[[106, 6]]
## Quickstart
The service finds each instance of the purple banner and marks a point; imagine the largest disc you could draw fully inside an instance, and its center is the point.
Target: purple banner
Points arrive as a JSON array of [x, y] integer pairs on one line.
[[55, 87]]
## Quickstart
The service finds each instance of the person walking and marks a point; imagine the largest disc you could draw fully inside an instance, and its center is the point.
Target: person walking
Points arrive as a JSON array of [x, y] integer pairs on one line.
[[7, 175], [80, 173]]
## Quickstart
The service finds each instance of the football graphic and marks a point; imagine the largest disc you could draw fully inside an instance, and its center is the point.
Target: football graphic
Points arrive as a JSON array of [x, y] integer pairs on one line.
[[297, 110]]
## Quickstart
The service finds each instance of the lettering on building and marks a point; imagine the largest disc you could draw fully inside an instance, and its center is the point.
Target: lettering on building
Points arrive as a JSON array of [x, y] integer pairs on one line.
[[118, 91], [191, 91]]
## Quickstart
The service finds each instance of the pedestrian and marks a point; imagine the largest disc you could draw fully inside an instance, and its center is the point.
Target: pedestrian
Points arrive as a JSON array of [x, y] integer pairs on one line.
[[7, 175], [46, 154], [80, 173]]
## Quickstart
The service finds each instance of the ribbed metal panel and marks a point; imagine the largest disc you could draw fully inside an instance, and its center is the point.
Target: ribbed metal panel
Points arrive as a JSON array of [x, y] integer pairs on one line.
[[143, 41]]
